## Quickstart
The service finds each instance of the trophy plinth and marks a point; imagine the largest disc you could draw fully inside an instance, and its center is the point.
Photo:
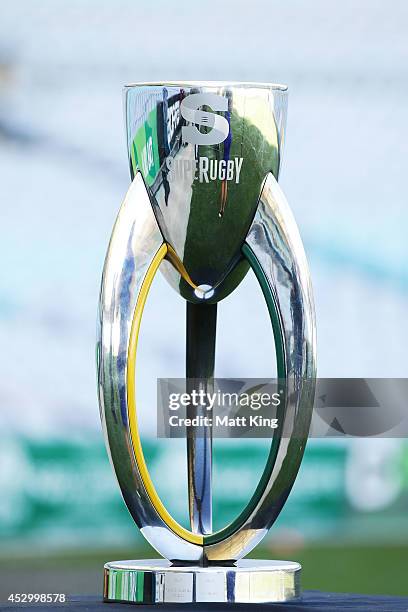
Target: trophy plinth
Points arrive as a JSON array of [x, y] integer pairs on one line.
[[205, 207], [153, 581]]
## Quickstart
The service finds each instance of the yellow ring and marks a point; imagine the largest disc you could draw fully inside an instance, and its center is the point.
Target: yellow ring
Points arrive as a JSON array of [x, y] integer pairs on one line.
[[131, 401]]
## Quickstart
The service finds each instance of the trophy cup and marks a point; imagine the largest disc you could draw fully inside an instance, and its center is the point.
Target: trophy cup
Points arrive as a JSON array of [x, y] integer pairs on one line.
[[204, 205]]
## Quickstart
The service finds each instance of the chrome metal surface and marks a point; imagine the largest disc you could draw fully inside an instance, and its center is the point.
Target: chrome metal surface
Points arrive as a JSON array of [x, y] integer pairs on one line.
[[201, 328], [204, 171], [275, 241], [155, 582], [135, 240], [256, 227]]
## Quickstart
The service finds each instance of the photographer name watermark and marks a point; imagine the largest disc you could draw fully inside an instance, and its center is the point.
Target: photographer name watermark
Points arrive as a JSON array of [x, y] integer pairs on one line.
[[228, 409]]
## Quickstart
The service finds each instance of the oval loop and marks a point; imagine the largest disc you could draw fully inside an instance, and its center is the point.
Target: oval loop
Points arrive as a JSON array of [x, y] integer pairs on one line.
[[171, 523], [274, 250], [135, 251]]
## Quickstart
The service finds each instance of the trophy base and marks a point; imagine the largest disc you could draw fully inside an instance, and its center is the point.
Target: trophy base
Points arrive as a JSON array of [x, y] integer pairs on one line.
[[156, 581]]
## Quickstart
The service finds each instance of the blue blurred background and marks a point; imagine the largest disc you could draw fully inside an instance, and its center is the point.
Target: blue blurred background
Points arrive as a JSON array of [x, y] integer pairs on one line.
[[64, 172]]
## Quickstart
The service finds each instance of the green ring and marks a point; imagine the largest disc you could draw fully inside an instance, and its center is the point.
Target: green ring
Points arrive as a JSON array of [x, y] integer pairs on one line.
[[270, 299]]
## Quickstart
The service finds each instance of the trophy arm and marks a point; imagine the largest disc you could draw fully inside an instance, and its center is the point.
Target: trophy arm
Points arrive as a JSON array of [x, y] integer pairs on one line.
[[275, 252], [135, 251]]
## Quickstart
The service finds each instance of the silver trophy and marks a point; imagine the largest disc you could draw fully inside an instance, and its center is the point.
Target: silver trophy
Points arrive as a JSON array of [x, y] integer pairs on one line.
[[204, 205]]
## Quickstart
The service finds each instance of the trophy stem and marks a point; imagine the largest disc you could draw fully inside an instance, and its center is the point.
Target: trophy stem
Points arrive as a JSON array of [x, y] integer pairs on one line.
[[200, 359]]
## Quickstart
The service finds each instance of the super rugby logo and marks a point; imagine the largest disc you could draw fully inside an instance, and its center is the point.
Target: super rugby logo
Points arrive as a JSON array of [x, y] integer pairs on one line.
[[205, 169], [190, 109]]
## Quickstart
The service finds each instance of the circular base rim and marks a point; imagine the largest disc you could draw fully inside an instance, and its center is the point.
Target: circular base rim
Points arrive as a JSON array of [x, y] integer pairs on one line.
[[155, 581]]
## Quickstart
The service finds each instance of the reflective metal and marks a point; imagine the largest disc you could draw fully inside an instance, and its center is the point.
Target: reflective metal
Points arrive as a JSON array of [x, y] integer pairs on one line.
[[208, 197], [204, 217], [201, 330], [135, 240], [157, 581], [274, 240]]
